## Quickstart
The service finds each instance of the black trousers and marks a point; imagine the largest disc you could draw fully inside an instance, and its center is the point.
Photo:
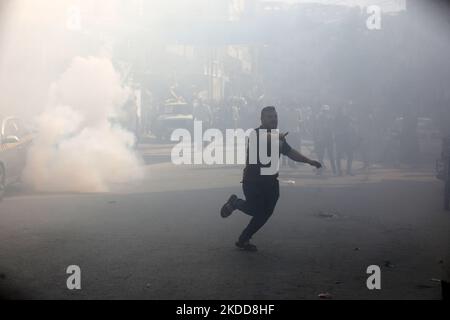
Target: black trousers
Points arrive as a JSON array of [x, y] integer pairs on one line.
[[260, 200]]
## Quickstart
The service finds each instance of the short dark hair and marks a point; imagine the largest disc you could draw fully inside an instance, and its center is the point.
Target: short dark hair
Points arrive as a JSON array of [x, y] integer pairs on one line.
[[268, 109]]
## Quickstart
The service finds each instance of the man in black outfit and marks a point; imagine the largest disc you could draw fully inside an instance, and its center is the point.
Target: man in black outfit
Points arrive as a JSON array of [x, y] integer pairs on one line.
[[261, 191]]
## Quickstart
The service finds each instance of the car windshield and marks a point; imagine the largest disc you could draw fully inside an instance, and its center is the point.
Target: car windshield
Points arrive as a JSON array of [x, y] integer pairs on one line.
[[178, 109]]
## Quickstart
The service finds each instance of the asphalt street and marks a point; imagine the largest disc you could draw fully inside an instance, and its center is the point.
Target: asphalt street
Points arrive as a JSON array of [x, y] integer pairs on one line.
[[162, 237]]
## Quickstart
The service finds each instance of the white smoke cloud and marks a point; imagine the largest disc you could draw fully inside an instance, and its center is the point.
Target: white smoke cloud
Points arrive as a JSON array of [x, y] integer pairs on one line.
[[77, 148]]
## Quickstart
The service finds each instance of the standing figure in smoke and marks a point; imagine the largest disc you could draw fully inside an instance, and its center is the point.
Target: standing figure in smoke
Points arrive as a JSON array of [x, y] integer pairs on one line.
[[346, 140], [323, 137], [261, 191]]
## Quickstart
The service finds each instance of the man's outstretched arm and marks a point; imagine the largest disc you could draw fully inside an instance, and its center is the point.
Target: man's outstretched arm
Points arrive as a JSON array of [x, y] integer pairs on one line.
[[297, 156]]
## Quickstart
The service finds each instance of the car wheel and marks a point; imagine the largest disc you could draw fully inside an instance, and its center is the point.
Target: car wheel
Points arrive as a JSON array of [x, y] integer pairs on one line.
[[2, 182]]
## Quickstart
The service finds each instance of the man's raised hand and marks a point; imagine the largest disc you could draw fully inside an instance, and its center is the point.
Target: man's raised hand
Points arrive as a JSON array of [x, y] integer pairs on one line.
[[316, 164], [283, 136]]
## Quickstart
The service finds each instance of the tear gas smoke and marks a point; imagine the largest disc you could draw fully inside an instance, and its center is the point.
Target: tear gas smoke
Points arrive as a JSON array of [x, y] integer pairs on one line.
[[78, 148]]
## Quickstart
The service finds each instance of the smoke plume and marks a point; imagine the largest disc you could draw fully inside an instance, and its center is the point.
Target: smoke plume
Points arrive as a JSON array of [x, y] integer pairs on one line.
[[78, 148]]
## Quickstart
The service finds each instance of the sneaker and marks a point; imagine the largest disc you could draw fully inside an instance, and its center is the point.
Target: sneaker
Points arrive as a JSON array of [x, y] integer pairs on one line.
[[228, 207], [246, 246]]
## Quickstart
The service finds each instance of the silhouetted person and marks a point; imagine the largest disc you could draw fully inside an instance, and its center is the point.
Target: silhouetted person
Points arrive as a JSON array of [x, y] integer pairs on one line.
[[261, 191], [323, 137], [409, 141], [366, 133], [202, 112], [345, 139]]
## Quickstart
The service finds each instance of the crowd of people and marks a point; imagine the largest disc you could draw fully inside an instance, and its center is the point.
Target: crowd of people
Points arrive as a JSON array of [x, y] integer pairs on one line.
[[337, 133], [334, 133]]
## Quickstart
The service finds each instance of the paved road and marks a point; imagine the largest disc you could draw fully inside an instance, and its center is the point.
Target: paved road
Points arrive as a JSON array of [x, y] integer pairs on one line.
[[162, 238]]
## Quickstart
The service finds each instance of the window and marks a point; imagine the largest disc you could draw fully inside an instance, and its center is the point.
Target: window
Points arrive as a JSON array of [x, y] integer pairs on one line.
[[14, 127]]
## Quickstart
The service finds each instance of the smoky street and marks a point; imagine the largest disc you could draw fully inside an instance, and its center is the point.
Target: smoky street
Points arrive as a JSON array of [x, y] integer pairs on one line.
[[198, 151], [163, 238]]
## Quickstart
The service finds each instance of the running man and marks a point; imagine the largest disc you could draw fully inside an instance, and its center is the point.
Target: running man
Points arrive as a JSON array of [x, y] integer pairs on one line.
[[261, 191]]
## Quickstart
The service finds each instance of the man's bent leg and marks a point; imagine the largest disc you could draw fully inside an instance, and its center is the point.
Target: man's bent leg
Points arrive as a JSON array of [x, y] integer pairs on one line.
[[253, 198], [264, 210]]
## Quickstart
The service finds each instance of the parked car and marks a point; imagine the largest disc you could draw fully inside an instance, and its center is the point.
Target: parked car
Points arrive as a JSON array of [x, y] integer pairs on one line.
[[15, 139], [178, 115]]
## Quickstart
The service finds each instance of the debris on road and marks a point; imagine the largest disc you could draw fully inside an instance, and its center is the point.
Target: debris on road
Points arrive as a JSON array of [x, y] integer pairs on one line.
[[288, 182], [322, 214], [325, 295]]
